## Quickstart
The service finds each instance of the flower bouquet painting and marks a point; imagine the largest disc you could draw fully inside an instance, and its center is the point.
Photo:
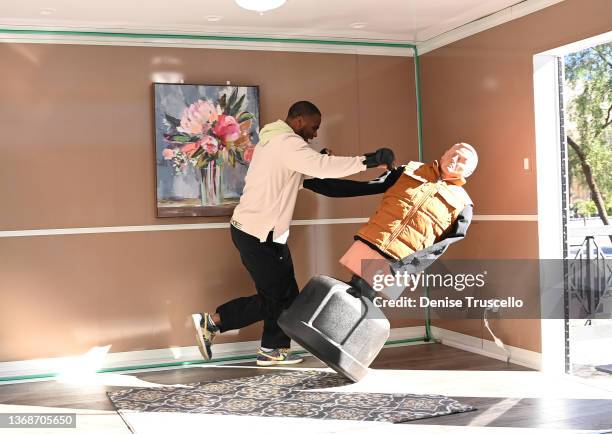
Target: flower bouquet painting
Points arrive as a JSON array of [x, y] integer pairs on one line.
[[205, 137]]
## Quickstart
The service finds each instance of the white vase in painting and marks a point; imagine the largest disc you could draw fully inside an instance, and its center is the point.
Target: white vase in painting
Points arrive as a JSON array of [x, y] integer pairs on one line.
[[211, 185]]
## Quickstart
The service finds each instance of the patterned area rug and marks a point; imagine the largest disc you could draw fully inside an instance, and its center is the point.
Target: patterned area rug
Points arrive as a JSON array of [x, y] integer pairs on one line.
[[284, 394]]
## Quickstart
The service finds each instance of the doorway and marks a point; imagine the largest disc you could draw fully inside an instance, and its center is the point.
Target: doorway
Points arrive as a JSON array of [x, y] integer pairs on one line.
[[573, 109]]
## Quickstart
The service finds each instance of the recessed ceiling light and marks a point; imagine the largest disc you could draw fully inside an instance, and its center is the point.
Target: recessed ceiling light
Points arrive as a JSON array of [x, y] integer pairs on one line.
[[47, 11], [358, 25], [213, 18], [260, 5]]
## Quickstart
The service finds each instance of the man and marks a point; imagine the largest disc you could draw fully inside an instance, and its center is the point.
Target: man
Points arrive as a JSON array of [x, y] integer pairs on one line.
[[260, 228]]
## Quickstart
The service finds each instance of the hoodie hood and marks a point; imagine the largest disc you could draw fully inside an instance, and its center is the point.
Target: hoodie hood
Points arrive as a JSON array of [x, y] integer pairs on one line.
[[269, 131]]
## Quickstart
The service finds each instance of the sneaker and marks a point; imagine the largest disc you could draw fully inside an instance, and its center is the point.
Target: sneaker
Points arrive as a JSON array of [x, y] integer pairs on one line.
[[206, 330], [278, 356]]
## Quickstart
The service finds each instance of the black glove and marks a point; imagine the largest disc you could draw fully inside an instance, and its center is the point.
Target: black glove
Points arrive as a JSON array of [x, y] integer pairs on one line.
[[325, 151], [381, 156]]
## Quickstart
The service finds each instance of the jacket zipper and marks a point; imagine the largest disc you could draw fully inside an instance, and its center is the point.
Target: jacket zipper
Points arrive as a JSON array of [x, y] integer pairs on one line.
[[432, 189]]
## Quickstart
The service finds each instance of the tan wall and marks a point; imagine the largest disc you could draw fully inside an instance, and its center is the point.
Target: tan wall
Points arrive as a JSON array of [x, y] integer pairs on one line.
[[77, 151], [77, 148], [480, 90]]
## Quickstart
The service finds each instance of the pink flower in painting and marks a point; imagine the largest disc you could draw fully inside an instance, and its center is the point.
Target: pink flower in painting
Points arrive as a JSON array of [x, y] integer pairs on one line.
[[189, 148], [198, 117], [227, 128], [248, 153], [209, 143], [168, 154]]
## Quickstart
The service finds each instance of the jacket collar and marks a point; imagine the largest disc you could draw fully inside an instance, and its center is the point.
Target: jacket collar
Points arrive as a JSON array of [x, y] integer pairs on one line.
[[429, 173]]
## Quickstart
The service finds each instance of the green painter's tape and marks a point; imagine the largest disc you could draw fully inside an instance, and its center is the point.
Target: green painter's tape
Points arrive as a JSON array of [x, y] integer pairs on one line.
[[208, 38], [178, 364], [417, 87], [417, 79]]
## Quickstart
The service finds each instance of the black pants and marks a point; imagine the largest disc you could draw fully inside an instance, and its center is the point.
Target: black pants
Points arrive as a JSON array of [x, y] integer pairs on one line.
[[271, 268]]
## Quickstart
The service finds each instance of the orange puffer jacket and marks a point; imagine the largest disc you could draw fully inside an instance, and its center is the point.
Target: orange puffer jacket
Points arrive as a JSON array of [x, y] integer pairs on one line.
[[415, 212]]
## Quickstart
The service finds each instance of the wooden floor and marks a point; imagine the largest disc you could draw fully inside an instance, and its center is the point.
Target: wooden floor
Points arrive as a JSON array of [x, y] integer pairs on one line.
[[593, 414]]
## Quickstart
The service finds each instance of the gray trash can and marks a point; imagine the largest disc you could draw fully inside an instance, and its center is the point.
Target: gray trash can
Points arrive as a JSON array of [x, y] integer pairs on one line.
[[342, 330]]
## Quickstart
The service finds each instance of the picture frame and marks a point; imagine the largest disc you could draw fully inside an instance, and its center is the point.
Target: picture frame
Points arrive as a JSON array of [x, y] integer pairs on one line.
[[205, 136]]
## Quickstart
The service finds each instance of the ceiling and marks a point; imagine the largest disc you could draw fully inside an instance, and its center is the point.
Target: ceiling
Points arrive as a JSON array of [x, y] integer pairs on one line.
[[413, 21]]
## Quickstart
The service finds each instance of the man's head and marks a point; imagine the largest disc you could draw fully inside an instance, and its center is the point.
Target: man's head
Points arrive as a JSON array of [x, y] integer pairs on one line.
[[304, 118], [459, 161]]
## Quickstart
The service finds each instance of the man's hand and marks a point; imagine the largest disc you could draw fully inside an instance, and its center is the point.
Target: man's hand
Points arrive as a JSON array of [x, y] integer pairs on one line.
[[326, 151], [382, 157]]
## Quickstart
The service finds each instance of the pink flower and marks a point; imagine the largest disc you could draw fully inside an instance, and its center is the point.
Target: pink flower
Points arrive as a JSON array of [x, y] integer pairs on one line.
[[168, 154], [209, 143], [248, 153], [197, 118], [189, 148], [227, 128]]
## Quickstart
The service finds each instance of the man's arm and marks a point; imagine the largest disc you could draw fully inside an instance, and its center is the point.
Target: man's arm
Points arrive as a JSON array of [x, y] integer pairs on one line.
[[348, 188], [296, 155]]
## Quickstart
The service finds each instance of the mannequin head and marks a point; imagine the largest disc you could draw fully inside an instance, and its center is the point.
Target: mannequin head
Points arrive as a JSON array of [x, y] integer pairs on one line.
[[459, 161]]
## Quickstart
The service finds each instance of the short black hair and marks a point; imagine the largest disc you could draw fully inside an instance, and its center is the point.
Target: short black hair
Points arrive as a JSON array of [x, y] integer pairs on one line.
[[303, 108]]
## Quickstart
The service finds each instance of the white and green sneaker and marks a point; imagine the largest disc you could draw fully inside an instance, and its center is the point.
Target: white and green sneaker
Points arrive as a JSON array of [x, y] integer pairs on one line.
[[206, 330], [277, 356]]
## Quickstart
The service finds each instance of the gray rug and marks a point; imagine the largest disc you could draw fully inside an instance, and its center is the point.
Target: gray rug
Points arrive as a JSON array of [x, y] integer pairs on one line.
[[284, 394]]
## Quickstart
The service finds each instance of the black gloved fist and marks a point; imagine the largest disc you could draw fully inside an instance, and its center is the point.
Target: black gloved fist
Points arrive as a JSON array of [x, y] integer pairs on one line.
[[325, 151], [382, 156]]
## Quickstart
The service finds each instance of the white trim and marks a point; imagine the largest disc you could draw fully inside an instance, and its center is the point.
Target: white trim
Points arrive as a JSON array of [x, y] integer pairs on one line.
[[548, 155], [111, 229], [505, 15], [506, 217], [127, 359], [550, 225], [135, 359], [519, 356], [200, 43], [157, 228], [197, 226], [401, 333]]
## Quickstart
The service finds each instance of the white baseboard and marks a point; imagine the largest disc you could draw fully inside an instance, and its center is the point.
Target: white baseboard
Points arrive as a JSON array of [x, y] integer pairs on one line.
[[98, 358], [401, 333], [519, 356]]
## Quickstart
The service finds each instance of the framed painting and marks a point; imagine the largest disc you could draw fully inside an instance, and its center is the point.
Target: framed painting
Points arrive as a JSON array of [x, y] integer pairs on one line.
[[205, 136]]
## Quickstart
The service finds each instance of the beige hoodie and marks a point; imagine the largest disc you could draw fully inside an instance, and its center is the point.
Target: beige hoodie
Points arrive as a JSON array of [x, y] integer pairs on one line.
[[275, 174]]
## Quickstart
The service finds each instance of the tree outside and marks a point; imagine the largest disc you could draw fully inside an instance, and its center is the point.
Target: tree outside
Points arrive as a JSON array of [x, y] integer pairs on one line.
[[588, 76]]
